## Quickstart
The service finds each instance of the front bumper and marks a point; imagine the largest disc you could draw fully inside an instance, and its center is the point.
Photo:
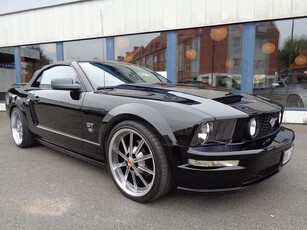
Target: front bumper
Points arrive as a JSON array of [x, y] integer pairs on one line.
[[254, 166]]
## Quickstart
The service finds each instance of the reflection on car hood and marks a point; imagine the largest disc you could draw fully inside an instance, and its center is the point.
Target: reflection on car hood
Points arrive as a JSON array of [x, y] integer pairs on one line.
[[205, 98]]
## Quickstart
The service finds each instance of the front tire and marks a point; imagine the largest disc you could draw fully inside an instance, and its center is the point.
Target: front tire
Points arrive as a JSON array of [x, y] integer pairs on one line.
[[137, 162], [22, 136]]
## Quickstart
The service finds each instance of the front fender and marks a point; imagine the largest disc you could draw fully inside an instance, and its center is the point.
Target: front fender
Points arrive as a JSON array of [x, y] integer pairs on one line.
[[145, 112]]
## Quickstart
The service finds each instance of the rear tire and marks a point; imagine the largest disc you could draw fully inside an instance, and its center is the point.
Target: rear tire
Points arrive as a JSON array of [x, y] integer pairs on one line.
[[137, 162], [294, 101], [22, 136]]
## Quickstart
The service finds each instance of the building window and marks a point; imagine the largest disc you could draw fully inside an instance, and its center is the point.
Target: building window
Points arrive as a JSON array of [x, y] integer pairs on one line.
[[161, 56], [237, 63], [280, 62], [209, 51], [147, 50], [150, 61], [35, 57], [84, 49], [237, 42], [155, 58], [7, 70]]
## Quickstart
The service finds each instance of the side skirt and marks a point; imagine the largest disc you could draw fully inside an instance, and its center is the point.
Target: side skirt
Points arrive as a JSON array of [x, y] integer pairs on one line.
[[71, 153]]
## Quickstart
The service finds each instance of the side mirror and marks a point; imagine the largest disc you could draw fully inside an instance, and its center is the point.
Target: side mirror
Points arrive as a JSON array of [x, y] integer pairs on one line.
[[65, 84]]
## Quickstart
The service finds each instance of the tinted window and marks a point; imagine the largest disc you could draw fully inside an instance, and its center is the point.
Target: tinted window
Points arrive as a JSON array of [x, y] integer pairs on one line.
[[147, 50], [209, 50], [44, 81], [85, 49], [7, 70], [280, 61]]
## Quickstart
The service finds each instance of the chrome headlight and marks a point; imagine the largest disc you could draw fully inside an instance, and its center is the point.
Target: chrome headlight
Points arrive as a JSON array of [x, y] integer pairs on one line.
[[214, 131], [204, 132], [253, 127]]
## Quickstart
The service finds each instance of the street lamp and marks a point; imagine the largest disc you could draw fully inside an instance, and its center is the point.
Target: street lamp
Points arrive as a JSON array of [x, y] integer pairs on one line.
[[300, 59], [217, 34], [268, 48]]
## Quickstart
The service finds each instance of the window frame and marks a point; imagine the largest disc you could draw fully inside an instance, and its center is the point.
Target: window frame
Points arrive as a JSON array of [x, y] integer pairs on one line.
[[37, 82]]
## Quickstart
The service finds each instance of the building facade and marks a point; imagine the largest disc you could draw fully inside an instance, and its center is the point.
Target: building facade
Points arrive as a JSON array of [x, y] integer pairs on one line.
[[259, 44]]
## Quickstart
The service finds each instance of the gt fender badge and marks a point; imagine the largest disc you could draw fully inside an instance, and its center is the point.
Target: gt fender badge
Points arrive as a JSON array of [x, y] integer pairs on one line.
[[90, 127]]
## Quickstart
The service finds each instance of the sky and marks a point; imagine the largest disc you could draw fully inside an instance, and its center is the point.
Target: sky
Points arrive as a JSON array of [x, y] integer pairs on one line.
[[284, 27]]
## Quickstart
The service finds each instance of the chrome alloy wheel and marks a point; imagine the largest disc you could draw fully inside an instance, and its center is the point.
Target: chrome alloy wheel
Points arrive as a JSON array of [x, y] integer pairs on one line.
[[131, 162], [16, 127]]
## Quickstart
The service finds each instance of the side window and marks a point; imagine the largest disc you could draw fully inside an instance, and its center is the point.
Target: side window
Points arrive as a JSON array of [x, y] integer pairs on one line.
[[204, 79], [222, 81], [44, 81]]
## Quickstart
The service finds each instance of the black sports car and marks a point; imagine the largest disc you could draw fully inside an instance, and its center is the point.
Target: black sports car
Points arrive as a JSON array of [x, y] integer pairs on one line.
[[150, 134]]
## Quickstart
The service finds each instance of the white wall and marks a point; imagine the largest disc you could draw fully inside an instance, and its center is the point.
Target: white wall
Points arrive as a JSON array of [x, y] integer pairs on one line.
[[95, 18], [11, 6], [298, 117]]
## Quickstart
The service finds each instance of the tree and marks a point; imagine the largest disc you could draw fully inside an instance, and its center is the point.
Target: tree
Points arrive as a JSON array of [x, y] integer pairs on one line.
[[291, 49], [34, 64]]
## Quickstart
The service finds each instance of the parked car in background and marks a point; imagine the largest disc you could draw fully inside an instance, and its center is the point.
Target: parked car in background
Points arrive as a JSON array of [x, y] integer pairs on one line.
[[219, 80], [150, 135], [282, 90], [288, 93]]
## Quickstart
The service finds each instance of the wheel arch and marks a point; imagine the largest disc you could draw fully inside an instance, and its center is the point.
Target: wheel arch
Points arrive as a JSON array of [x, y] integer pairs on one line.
[[294, 95], [297, 96], [140, 113], [16, 103]]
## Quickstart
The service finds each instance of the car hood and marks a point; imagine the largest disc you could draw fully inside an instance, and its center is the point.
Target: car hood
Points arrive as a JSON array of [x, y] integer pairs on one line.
[[218, 102]]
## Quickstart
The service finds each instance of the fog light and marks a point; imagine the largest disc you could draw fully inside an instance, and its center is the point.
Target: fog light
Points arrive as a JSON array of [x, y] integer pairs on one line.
[[202, 163]]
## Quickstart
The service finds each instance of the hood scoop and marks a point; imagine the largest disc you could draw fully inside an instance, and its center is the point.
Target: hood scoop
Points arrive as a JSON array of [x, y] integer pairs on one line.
[[232, 99]]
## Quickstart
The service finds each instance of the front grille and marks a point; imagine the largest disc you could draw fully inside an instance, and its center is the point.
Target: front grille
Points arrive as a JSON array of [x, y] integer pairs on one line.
[[266, 125]]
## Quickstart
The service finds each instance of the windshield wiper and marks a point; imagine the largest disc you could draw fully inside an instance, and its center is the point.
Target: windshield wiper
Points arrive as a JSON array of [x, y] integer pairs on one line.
[[105, 87], [158, 83]]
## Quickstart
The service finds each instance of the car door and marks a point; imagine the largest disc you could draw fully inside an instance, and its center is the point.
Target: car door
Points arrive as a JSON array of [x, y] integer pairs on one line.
[[279, 93], [57, 113]]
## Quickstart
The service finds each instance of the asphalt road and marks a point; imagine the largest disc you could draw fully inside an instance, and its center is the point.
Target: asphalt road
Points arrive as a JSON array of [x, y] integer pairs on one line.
[[44, 189]]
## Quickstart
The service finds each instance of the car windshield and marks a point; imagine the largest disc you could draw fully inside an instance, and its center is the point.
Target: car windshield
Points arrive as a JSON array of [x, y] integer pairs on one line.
[[112, 74], [226, 81]]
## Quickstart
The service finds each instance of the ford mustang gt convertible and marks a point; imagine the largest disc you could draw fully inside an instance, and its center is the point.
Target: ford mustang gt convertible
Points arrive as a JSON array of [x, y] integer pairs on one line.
[[152, 135]]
